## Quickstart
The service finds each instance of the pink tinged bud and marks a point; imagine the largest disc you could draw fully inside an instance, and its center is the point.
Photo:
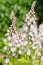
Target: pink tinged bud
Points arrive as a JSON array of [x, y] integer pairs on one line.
[[42, 58], [12, 14]]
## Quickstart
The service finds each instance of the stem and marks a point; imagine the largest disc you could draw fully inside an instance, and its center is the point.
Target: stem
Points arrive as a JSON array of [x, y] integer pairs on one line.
[[16, 57], [26, 55], [40, 58], [26, 58]]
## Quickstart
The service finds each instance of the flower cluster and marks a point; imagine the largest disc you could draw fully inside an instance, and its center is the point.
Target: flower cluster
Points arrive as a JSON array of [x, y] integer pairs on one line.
[[19, 41]]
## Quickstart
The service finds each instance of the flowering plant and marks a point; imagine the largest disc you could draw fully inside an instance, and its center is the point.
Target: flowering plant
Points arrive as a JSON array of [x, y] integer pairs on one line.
[[26, 45]]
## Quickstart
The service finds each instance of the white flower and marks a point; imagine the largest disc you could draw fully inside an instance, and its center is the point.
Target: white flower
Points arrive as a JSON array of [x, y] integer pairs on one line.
[[22, 43], [7, 61], [41, 33], [32, 19], [30, 43], [33, 57], [13, 49], [23, 36], [13, 54], [36, 44], [27, 18], [5, 40], [18, 45], [20, 52], [25, 43], [30, 33], [32, 38], [33, 47], [28, 52], [25, 28], [28, 23], [7, 31], [41, 28], [20, 40], [33, 29], [7, 34], [9, 38], [5, 48], [37, 53], [10, 44], [15, 40]]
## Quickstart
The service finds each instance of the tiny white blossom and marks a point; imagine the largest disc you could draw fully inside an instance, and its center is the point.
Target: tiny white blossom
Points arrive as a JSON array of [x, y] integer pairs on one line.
[[27, 18], [30, 33], [9, 38], [15, 40], [32, 19], [28, 52], [33, 46], [36, 44], [23, 36], [37, 53], [28, 23], [7, 61], [33, 57], [25, 28], [20, 40], [7, 31], [18, 45], [13, 49], [10, 44], [20, 52], [13, 54], [30, 43], [7, 34], [32, 38], [5, 48], [25, 43], [5, 40]]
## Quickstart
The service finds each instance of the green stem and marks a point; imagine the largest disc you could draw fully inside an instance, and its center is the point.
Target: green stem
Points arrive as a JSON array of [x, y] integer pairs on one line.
[[40, 58], [26, 60], [16, 57]]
